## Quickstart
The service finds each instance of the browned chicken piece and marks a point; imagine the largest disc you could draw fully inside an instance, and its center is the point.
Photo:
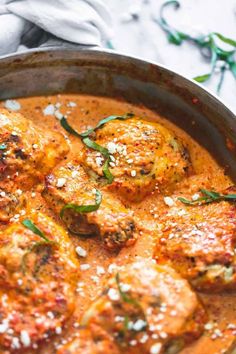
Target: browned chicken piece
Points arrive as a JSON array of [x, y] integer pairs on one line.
[[27, 153], [70, 184], [144, 156], [199, 242], [146, 308], [88, 341], [37, 284]]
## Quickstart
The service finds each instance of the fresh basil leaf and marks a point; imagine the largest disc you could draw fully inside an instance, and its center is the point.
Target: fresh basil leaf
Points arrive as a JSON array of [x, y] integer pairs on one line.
[[125, 297], [106, 120], [3, 147], [32, 227], [92, 145], [225, 39], [232, 65], [211, 194], [230, 196], [202, 78], [82, 209], [106, 172], [68, 128], [209, 197]]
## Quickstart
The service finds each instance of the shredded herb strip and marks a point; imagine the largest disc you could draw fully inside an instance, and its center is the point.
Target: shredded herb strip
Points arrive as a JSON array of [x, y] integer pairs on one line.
[[209, 197], [92, 144], [82, 209], [31, 226], [129, 300], [206, 43], [124, 296], [3, 147]]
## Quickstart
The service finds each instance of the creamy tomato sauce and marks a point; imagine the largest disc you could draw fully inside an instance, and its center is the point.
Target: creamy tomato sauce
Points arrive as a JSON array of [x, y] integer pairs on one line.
[[83, 112]]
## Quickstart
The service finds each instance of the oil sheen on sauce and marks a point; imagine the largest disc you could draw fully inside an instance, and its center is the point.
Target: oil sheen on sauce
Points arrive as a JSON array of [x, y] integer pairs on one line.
[[86, 112]]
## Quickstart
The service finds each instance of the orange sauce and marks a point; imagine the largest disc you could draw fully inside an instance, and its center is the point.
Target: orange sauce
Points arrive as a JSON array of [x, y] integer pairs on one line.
[[220, 334]]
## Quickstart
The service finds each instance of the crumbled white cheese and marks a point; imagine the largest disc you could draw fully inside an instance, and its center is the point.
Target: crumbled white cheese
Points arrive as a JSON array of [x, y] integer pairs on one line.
[[2, 194], [113, 294], [12, 105], [49, 110], [58, 330], [139, 325], [71, 104], [81, 251], [196, 196], [99, 161], [25, 338], [84, 266], [156, 348], [100, 270], [74, 174], [61, 182], [58, 114], [133, 173], [4, 326], [15, 343], [169, 201], [112, 147]]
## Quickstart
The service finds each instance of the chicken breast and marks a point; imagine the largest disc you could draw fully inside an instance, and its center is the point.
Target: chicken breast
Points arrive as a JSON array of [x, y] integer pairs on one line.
[[146, 308], [27, 153], [37, 283], [199, 242], [70, 184], [144, 156]]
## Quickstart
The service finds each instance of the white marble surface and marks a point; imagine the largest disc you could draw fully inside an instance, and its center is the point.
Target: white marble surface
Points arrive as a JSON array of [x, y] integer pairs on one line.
[[145, 39]]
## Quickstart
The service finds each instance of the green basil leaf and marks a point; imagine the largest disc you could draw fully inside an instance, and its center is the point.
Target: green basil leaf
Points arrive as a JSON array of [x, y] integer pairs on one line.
[[125, 297], [106, 172], [225, 39], [68, 128], [202, 78], [106, 120], [230, 197], [92, 145], [209, 197], [232, 65], [3, 147], [82, 209], [32, 227], [211, 194]]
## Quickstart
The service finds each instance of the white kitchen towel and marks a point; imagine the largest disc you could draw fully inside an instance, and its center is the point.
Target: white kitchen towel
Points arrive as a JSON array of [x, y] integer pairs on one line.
[[32, 23]]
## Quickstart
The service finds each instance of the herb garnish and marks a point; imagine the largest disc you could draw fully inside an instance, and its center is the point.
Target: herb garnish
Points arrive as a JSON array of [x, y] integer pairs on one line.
[[207, 44], [3, 147], [31, 226], [209, 197], [129, 300], [46, 242], [126, 298], [92, 144], [82, 209]]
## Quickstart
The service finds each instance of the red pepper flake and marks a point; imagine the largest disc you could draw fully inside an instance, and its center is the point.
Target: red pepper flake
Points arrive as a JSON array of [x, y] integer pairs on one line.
[[195, 100]]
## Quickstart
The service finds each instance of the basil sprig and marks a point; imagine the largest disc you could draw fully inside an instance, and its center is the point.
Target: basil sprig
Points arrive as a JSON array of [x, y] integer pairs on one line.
[[82, 209], [130, 300], [32, 227], [85, 136], [209, 197], [125, 297], [206, 43]]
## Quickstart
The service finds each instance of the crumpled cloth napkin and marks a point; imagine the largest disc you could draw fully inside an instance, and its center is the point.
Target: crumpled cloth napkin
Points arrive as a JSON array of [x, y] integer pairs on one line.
[[33, 23]]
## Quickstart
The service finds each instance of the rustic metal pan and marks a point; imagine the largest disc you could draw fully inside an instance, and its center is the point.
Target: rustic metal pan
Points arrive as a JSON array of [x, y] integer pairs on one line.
[[104, 73]]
